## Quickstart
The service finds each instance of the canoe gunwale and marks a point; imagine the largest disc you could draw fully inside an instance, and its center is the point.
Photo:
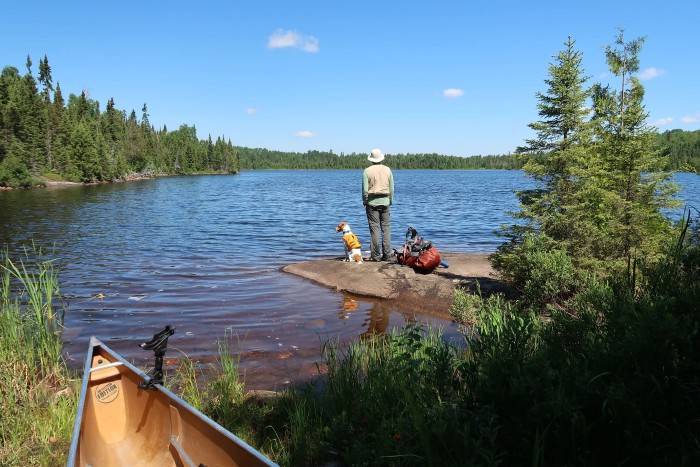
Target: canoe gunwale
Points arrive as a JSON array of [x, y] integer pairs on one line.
[[120, 361]]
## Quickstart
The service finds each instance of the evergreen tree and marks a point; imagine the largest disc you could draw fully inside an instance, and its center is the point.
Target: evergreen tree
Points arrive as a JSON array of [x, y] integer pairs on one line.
[[45, 79], [135, 146], [47, 82], [682, 148], [554, 156], [79, 143], [8, 79], [84, 149], [601, 190], [145, 124], [28, 121], [62, 161], [554, 159], [626, 189]]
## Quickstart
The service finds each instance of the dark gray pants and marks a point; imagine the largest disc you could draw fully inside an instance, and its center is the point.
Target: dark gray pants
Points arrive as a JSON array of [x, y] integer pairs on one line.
[[379, 218]]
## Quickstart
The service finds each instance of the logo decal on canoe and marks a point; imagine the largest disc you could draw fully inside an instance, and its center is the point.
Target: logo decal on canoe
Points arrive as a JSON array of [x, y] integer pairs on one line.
[[107, 392]]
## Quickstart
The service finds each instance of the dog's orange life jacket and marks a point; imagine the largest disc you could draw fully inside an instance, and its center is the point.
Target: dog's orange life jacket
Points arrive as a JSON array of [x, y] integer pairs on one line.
[[351, 241]]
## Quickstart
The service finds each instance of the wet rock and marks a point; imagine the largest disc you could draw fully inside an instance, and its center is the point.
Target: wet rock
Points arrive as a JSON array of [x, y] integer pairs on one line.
[[410, 291]]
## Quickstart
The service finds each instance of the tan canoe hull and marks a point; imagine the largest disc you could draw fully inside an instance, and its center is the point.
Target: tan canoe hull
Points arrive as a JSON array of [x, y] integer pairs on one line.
[[120, 424]]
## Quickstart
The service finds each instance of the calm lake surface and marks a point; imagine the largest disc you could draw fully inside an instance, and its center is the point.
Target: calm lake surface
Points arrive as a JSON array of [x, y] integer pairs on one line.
[[204, 253]]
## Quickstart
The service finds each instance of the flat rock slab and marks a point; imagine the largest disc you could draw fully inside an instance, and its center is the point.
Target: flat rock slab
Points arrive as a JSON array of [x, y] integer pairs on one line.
[[409, 290]]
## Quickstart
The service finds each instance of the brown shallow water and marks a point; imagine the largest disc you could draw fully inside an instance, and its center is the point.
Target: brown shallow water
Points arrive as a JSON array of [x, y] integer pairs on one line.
[[283, 349]]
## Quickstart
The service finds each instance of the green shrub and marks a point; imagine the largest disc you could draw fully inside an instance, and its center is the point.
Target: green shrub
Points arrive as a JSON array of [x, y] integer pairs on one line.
[[550, 278], [13, 173], [465, 306]]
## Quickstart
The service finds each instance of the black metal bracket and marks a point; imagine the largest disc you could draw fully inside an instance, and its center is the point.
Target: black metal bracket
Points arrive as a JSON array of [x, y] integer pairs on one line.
[[159, 345]]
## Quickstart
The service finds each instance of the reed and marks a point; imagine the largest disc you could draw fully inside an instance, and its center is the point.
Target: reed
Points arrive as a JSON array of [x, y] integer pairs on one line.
[[219, 392], [37, 396], [386, 400], [609, 377]]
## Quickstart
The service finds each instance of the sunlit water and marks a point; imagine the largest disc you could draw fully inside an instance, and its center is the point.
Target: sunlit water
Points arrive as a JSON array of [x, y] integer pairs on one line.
[[205, 253]]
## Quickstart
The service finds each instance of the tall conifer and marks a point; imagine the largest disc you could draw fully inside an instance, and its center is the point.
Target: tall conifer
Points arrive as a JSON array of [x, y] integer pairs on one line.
[[562, 137], [552, 159], [628, 184]]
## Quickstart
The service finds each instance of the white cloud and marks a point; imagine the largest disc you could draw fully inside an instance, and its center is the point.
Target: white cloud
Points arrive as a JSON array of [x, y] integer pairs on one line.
[[251, 111], [663, 121], [691, 118], [452, 93], [305, 134], [282, 39], [651, 73]]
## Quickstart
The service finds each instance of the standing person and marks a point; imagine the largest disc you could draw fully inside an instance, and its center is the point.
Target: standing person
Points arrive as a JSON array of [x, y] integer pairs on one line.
[[377, 196]]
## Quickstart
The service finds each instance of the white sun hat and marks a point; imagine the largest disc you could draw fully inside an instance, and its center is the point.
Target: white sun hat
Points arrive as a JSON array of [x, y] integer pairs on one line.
[[376, 156]]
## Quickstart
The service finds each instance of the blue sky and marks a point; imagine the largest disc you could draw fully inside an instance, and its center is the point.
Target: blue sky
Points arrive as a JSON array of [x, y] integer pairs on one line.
[[450, 77]]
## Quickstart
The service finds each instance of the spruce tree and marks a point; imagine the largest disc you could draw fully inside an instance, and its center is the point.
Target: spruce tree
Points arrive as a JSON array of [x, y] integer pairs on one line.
[[626, 189], [562, 138], [552, 159], [45, 79], [62, 161]]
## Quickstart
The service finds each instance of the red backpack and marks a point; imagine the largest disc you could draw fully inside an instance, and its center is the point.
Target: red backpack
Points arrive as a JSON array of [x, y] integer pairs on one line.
[[418, 253]]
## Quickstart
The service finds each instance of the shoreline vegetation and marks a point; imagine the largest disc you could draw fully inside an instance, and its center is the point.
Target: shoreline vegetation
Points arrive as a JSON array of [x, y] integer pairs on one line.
[[607, 375], [44, 136], [595, 362]]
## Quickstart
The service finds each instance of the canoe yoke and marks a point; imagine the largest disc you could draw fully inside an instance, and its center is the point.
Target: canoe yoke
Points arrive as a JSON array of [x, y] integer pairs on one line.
[[159, 345]]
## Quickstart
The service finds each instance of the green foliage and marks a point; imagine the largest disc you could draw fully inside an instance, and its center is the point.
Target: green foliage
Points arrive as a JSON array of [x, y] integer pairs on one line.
[[681, 149], [38, 400], [263, 159], [465, 306], [600, 191], [545, 274], [611, 377], [551, 279], [13, 173], [629, 166], [78, 142], [386, 401]]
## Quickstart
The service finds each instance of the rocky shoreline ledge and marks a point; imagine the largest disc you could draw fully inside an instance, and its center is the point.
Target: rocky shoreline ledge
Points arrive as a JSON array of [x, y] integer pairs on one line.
[[429, 294]]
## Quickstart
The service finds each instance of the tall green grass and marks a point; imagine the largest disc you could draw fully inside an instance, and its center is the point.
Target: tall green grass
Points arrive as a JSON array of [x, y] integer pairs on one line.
[[37, 400], [388, 400], [219, 392], [608, 376]]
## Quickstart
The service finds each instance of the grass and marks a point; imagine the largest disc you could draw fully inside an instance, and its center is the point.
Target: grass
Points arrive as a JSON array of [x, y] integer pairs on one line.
[[37, 396], [219, 392], [611, 377]]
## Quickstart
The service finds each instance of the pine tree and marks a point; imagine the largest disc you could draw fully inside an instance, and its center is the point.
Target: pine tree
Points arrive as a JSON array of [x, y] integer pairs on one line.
[[27, 119], [85, 151]]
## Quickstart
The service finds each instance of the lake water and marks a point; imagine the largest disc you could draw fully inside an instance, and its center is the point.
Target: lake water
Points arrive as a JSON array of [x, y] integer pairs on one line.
[[204, 253]]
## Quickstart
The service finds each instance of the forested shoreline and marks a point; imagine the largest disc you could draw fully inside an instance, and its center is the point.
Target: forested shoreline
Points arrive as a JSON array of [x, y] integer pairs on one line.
[[44, 137], [681, 149], [592, 360], [264, 159]]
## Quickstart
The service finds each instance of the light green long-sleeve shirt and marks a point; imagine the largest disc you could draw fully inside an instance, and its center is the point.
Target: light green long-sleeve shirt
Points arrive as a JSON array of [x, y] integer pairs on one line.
[[377, 186]]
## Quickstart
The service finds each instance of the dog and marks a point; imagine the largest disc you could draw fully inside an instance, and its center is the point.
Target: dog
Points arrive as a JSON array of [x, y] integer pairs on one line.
[[353, 248]]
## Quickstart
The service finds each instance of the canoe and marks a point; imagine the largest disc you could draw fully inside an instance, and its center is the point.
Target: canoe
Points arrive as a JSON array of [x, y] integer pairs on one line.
[[125, 420]]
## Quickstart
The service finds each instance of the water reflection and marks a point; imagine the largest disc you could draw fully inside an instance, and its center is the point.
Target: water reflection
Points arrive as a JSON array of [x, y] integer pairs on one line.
[[377, 320], [190, 252]]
